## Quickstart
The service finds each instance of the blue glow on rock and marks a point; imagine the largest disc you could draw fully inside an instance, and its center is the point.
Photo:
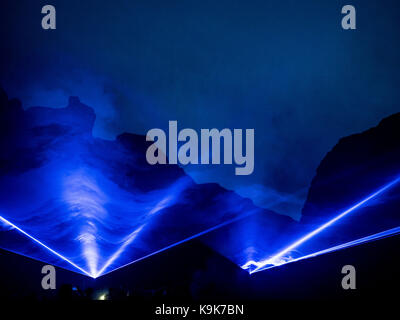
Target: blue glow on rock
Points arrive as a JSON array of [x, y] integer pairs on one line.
[[284, 256], [94, 206]]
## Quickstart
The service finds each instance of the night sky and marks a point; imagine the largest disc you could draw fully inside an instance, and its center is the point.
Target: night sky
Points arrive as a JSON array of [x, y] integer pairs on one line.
[[285, 68]]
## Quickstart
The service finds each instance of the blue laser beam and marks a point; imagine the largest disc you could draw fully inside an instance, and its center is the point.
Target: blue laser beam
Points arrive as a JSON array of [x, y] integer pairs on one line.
[[178, 243], [124, 246], [374, 237], [9, 223], [102, 272], [276, 260], [280, 258], [116, 254]]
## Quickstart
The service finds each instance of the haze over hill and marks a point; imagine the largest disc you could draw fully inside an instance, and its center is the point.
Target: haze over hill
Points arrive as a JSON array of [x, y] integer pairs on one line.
[[98, 202], [101, 205], [285, 68]]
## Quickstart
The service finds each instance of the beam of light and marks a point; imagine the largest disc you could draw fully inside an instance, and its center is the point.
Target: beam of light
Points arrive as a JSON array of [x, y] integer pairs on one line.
[[280, 258], [44, 246], [161, 204], [86, 200], [178, 243], [374, 237], [126, 243]]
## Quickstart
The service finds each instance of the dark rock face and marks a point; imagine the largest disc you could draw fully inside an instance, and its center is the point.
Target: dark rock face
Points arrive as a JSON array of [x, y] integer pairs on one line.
[[101, 205], [357, 166], [97, 202]]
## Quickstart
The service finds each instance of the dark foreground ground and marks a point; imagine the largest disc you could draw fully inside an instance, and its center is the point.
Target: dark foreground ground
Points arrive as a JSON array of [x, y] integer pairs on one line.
[[194, 273]]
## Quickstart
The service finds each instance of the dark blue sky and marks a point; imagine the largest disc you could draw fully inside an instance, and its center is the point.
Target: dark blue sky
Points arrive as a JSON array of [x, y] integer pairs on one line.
[[285, 68]]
